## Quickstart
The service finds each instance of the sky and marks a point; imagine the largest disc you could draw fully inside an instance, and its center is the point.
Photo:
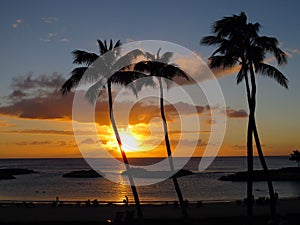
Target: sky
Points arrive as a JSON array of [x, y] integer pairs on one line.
[[37, 38]]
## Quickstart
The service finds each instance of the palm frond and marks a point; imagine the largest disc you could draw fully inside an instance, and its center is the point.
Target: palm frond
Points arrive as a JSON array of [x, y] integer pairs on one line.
[[252, 29], [146, 67], [118, 44], [126, 79], [171, 70], [102, 48], [127, 59], [169, 83], [229, 48], [110, 44], [241, 75], [266, 43], [146, 81], [255, 53], [105, 45], [83, 57], [150, 56], [117, 48], [280, 56], [93, 93], [157, 53], [166, 57], [270, 44], [220, 61], [211, 40], [73, 81], [272, 72], [228, 26]]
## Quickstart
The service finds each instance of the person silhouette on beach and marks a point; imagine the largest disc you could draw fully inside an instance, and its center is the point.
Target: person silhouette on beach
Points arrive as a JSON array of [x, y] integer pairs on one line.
[[125, 201]]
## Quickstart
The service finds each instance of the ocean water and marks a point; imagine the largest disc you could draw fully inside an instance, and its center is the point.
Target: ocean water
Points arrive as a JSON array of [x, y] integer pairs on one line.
[[49, 183]]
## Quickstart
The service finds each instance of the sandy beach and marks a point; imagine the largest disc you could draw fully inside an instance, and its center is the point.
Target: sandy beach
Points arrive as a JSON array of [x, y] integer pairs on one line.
[[218, 211]]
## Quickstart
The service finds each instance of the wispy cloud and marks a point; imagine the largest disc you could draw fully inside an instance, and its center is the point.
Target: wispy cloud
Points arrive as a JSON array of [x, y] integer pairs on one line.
[[290, 52], [64, 40], [50, 19], [16, 23], [49, 37], [129, 40]]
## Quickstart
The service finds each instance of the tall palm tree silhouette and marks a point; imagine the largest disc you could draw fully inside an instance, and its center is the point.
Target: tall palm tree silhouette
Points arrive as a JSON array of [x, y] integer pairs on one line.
[[238, 43], [158, 66], [102, 72]]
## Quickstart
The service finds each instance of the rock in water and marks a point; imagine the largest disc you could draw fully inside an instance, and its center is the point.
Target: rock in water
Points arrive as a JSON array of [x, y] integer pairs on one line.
[[82, 174]]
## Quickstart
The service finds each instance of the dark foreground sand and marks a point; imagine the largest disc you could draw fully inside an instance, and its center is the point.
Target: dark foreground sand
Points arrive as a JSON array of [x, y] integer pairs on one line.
[[209, 213]]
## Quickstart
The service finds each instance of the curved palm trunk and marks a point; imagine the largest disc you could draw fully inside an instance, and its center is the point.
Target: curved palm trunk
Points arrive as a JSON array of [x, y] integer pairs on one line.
[[266, 172], [167, 141], [249, 155], [250, 166], [260, 152], [124, 157]]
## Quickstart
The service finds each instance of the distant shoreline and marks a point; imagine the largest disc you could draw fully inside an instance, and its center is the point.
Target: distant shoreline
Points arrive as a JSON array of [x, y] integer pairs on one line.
[[282, 174]]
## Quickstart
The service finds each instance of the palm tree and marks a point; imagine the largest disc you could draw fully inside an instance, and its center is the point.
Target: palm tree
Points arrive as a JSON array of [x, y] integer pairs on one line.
[[158, 67], [295, 156], [239, 44], [102, 72]]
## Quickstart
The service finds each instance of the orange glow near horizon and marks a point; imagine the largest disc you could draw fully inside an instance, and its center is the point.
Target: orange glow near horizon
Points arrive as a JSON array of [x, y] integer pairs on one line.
[[41, 138]]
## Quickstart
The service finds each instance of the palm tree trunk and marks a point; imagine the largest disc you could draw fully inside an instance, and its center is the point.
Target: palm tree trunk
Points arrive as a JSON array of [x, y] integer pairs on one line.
[[167, 142], [266, 172], [249, 155], [124, 157], [260, 152], [250, 167]]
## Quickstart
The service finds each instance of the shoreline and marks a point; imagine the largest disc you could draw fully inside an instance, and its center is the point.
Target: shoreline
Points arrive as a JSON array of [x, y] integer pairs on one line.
[[14, 213]]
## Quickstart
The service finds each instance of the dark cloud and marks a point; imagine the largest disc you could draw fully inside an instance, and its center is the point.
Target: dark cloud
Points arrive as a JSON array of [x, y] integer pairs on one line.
[[244, 147], [39, 98], [29, 81], [36, 97], [34, 143], [189, 143], [53, 106], [232, 113], [17, 94], [239, 147], [88, 141]]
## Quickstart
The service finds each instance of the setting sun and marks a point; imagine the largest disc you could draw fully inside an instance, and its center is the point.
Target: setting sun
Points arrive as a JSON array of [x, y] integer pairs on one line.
[[130, 142]]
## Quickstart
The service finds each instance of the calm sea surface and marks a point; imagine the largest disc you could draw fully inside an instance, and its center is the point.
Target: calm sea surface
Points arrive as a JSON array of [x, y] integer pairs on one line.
[[49, 183]]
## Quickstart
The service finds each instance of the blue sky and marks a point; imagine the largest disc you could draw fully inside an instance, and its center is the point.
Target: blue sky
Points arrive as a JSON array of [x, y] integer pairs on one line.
[[39, 36]]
